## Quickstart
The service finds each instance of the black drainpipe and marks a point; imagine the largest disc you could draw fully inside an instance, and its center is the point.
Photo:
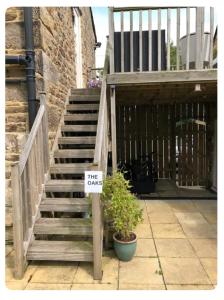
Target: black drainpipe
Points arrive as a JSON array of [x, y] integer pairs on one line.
[[29, 61], [30, 65]]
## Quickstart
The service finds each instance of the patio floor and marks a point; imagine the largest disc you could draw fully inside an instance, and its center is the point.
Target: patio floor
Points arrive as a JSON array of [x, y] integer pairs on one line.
[[176, 250]]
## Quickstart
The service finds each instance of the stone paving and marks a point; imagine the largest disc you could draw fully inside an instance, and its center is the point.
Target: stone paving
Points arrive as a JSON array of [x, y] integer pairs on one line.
[[176, 251]]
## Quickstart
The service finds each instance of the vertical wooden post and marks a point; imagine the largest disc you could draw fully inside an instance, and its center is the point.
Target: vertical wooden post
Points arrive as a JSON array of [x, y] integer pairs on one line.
[[178, 39], [140, 40], [113, 128], [198, 38], [211, 37], [159, 39], [45, 132], [188, 38], [122, 41], [20, 261], [173, 143], [97, 233], [131, 41], [111, 38], [150, 38], [168, 39]]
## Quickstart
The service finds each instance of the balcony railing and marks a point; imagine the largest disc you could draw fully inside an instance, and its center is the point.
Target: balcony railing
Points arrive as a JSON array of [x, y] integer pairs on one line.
[[157, 43]]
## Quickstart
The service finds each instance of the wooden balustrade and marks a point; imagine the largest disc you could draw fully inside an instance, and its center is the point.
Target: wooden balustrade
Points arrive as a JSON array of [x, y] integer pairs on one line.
[[28, 178], [100, 164], [130, 56]]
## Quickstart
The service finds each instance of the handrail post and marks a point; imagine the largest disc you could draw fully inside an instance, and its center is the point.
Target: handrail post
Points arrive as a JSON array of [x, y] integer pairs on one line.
[[20, 261], [45, 131], [111, 38], [113, 128], [97, 223]]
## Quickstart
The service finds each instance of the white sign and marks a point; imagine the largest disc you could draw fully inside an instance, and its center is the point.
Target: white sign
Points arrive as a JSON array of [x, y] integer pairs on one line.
[[93, 181]]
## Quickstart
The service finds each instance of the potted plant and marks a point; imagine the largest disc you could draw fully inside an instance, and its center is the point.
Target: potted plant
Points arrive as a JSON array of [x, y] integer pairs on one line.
[[122, 210]]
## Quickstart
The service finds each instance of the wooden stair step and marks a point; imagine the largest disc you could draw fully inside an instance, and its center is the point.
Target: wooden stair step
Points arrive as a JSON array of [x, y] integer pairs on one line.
[[64, 185], [85, 91], [80, 107], [60, 250], [76, 140], [70, 168], [65, 204], [78, 128], [81, 117], [74, 153], [64, 226], [83, 98]]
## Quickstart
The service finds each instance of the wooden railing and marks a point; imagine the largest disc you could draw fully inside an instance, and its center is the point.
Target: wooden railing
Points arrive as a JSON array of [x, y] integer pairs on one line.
[[193, 51], [100, 164], [28, 177]]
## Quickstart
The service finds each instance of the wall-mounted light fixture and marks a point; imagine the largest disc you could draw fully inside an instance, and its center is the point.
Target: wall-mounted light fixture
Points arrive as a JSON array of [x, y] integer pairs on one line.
[[197, 87]]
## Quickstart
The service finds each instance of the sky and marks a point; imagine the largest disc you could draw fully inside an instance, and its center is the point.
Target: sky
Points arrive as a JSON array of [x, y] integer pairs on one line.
[[100, 15]]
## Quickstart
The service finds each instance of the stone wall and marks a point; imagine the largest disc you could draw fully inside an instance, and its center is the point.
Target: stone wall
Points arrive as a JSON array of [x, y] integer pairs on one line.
[[54, 43]]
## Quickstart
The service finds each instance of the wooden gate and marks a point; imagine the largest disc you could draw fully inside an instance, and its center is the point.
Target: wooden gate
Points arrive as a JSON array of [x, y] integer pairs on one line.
[[175, 136]]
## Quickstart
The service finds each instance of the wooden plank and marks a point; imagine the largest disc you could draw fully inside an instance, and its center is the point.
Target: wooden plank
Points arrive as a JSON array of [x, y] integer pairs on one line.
[[81, 117], [202, 37], [173, 142], [139, 133], [144, 129], [131, 41], [70, 168], [65, 204], [122, 40], [140, 41], [150, 38], [118, 122], [179, 141], [79, 128], [190, 145], [188, 38], [20, 260], [159, 39], [201, 146], [82, 107], [198, 38], [132, 132], [184, 145], [113, 129], [178, 39], [74, 153], [45, 132], [127, 133], [111, 39], [198, 76], [165, 141], [137, 8], [76, 140], [160, 110], [211, 37], [121, 130], [195, 145], [61, 250], [168, 37]]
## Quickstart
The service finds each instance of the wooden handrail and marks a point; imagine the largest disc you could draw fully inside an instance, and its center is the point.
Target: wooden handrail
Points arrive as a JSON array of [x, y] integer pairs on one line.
[[100, 163], [28, 177]]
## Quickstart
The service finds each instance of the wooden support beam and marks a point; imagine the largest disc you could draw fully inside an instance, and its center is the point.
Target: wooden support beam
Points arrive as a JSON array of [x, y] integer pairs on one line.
[[168, 38], [140, 41], [159, 39], [211, 37], [111, 38], [131, 41], [113, 129], [188, 38], [150, 38], [122, 41], [20, 261], [163, 76]]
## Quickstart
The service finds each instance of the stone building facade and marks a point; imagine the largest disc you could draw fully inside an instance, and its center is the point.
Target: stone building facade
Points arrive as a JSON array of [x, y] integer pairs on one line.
[[56, 73]]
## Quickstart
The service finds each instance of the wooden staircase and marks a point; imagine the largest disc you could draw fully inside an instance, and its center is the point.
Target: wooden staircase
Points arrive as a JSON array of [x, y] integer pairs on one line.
[[64, 229]]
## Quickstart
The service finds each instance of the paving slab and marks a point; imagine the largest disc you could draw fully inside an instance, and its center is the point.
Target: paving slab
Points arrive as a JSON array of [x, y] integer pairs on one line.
[[200, 230], [181, 205], [156, 217], [167, 231], [140, 271], [205, 247], [14, 285], [143, 231], [139, 286], [193, 218], [146, 248], [183, 271], [94, 286], [211, 217], [55, 272], [189, 287], [206, 205], [157, 206], [210, 266], [174, 248], [84, 273], [47, 286]]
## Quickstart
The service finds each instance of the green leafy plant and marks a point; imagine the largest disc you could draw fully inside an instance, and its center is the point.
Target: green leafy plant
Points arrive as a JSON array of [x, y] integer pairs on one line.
[[120, 206]]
